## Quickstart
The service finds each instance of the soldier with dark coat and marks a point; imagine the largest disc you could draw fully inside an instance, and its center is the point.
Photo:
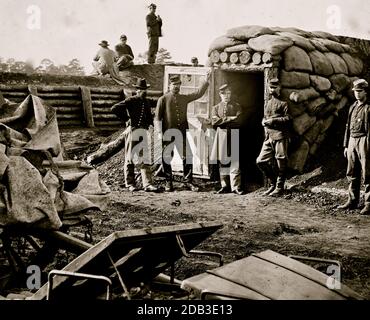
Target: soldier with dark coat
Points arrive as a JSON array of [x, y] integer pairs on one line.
[[136, 111], [154, 31], [226, 116], [171, 113], [124, 53], [357, 148], [275, 147]]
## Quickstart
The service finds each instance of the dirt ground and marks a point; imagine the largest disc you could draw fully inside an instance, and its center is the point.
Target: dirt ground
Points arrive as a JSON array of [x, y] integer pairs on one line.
[[304, 221]]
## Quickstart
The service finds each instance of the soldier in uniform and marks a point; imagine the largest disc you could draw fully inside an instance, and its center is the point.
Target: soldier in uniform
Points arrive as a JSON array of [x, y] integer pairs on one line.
[[136, 111], [124, 53], [227, 115], [357, 148], [274, 149], [171, 113], [154, 31]]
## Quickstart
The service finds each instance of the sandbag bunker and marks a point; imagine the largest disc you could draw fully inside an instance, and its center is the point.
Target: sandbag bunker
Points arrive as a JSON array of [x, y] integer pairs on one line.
[[316, 71]]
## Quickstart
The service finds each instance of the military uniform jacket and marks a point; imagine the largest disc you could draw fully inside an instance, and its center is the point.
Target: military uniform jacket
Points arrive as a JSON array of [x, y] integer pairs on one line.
[[222, 111], [365, 124], [277, 110], [153, 25], [135, 111], [172, 108]]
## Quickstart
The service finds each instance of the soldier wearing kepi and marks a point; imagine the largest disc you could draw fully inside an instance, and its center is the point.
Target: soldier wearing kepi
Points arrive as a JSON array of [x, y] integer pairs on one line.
[[171, 113], [275, 146], [136, 111], [357, 148], [226, 116]]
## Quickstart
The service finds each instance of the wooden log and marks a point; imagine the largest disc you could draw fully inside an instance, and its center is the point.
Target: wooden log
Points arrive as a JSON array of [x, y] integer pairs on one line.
[[238, 48], [64, 102], [97, 90], [106, 96], [108, 123], [214, 56], [104, 102], [102, 109], [105, 116], [69, 123], [6, 87], [224, 56], [66, 95], [9, 94], [266, 57], [58, 89], [244, 57], [68, 116], [69, 110], [256, 58], [234, 57]]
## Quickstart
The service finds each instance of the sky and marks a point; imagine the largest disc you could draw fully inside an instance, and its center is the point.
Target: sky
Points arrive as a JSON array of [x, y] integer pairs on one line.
[[68, 29]]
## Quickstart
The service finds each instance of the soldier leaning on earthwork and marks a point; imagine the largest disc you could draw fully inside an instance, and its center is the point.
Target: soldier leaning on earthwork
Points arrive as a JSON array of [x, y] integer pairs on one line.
[[357, 148]]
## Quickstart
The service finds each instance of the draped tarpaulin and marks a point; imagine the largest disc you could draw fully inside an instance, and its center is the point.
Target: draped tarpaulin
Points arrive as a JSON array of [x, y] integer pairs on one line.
[[37, 187]]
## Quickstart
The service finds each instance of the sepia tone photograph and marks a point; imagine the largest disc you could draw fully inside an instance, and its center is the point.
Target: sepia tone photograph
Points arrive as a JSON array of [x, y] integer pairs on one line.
[[184, 150]]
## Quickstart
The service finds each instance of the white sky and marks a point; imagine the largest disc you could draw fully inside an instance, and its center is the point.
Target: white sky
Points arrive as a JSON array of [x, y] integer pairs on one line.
[[73, 28]]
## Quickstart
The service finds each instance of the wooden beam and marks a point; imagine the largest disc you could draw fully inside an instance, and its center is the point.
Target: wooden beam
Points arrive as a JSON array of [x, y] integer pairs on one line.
[[87, 106]]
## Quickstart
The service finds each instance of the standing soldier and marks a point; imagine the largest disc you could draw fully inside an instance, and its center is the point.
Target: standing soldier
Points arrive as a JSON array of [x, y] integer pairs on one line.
[[171, 113], [154, 31], [357, 148], [227, 115], [136, 111], [275, 146]]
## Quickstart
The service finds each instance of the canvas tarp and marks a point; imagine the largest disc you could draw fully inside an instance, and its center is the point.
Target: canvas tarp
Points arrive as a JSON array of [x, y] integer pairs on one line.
[[38, 188]]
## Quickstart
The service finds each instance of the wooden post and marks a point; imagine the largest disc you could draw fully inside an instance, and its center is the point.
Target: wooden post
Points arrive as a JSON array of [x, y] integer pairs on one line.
[[32, 90], [87, 106]]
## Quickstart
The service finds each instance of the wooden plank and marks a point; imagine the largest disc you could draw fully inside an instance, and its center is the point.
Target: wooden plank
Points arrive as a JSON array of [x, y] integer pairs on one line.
[[62, 102], [102, 109], [106, 90], [305, 271], [54, 89], [73, 110], [59, 95], [273, 281], [69, 123], [106, 96], [104, 102], [215, 284], [105, 116], [68, 116], [87, 106], [14, 87], [15, 94]]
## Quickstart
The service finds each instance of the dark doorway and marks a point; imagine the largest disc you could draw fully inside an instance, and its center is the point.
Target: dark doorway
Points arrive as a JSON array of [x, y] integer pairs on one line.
[[248, 90]]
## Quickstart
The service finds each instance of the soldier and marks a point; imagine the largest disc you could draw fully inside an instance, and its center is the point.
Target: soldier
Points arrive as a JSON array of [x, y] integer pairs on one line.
[[171, 113], [274, 148], [124, 52], [357, 148], [136, 111], [154, 31], [227, 115]]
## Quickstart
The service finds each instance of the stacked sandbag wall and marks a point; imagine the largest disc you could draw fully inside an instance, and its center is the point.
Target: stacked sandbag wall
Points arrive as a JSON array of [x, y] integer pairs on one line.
[[316, 72]]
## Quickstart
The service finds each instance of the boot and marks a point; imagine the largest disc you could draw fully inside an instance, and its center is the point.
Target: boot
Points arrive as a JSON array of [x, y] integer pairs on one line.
[[169, 186], [366, 210], [191, 186], [279, 190], [270, 189], [350, 205], [151, 188], [224, 190]]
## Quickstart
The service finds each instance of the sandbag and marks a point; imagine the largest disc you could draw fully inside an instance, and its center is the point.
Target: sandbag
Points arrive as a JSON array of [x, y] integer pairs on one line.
[[296, 59], [314, 106], [294, 79], [325, 35], [340, 82], [302, 123], [298, 158], [299, 41], [221, 43], [326, 124], [319, 45], [302, 33], [354, 64], [295, 109], [337, 62], [320, 63], [301, 95], [312, 134], [270, 43], [333, 46], [320, 83], [244, 33]]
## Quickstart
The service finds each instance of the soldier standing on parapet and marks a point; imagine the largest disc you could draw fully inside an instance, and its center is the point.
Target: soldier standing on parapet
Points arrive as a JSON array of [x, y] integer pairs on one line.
[[357, 148], [275, 146], [154, 31]]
